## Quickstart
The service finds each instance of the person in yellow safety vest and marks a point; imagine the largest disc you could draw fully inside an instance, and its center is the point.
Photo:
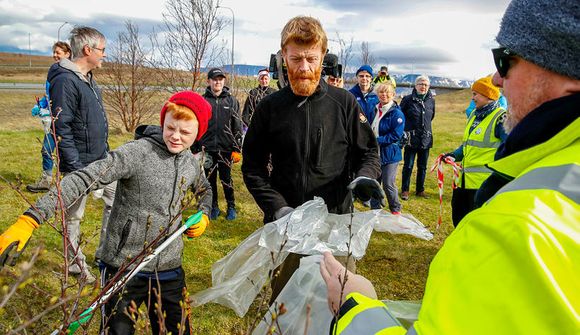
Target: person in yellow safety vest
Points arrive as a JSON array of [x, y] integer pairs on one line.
[[511, 266], [483, 134], [384, 77]]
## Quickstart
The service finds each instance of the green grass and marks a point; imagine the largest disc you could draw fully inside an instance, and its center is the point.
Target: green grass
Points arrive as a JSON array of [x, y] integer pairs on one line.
[[396, 264]]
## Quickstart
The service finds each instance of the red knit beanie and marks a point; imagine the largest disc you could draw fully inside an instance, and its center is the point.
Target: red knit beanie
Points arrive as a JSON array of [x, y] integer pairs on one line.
[[200, 107]]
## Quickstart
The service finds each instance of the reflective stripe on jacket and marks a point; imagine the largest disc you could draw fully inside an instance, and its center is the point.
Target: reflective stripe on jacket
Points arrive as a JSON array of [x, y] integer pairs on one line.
[[512, 266], [362, 315], [479, 148]]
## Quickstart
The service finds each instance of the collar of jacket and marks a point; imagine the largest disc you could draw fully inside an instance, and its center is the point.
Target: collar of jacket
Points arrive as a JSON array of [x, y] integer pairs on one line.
[[209, 93], [66, 63], [541, 124], [154, 134], [427, 96], [484, 111], [320, 91], [512, 165]]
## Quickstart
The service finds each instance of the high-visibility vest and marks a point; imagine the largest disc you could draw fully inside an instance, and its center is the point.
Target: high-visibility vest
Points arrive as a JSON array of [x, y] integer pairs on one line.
[[511, 266], [479, 148]]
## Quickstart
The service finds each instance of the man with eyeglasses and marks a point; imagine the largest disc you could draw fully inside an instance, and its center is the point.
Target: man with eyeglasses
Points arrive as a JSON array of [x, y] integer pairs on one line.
[[511, 266], [82, 128], [419, 110]]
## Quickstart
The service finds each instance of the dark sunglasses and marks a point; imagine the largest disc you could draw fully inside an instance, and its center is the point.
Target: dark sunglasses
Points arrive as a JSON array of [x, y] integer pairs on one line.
[[501, 58]]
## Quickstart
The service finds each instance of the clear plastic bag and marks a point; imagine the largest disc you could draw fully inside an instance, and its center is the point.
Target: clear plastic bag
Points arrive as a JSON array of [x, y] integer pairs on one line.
[[309, 230], [307, 287]]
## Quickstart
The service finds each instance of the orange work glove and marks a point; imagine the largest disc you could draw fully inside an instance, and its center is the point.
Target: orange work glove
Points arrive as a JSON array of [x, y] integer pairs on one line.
[[16, 236], [236, 157], [197, 229]]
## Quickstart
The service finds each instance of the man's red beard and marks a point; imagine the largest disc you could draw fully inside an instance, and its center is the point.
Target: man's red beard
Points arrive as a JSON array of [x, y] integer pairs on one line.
[[304, 83]]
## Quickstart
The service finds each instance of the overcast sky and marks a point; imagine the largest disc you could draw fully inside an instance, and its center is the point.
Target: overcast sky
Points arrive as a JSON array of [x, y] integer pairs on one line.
[[435, 37]]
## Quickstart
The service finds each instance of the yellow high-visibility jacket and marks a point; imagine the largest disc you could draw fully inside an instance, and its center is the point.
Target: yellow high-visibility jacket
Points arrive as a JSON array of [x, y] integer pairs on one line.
[[513, 265], [479, 147]]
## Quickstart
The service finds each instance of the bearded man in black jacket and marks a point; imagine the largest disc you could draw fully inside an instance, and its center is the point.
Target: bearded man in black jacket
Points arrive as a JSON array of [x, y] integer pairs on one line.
[[316, 136]]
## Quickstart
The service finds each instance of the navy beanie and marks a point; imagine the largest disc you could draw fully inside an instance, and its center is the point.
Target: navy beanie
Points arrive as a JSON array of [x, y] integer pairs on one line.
[[366, 68], [546, 33]]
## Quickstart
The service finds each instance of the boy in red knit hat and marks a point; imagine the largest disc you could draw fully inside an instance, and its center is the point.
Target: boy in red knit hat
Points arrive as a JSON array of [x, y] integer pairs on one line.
[[153, 174]]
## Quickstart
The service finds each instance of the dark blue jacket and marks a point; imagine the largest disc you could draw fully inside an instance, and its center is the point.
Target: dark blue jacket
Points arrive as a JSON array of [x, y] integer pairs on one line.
[[419, 114], [81, 122], [367, 103], [391, 128]]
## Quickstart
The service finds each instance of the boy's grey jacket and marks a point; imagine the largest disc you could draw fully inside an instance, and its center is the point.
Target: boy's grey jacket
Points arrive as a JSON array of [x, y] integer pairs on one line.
[[151, 185]]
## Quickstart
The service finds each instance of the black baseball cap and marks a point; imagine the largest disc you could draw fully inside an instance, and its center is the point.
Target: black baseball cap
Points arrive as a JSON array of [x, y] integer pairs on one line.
[[215, 72]]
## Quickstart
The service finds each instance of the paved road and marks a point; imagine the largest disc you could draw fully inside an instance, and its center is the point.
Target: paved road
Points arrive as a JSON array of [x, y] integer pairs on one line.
[[21, 86]]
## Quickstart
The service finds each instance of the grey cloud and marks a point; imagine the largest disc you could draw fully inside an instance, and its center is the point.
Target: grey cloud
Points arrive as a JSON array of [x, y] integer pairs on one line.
[[389, 8], [416, 55]]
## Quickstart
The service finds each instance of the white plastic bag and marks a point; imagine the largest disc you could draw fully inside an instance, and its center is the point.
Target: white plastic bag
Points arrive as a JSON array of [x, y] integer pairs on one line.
[[309, 230]]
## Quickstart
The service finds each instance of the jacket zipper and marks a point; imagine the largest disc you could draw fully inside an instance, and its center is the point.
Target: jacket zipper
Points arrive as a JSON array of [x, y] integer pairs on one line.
[[175, 164], [216, 125], [307, 151]]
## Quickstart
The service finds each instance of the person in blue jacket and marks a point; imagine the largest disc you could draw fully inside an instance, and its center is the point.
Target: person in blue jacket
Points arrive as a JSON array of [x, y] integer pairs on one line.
[[363, 91], [388, 126]]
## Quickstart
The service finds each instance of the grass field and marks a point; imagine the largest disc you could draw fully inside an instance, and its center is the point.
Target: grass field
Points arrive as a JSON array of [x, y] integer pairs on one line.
[[397, 265]]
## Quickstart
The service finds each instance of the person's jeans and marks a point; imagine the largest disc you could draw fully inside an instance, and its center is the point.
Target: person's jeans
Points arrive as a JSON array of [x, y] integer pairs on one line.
[[389, 178], [409, 162], [222, 164], [140, 290], [47, 149]]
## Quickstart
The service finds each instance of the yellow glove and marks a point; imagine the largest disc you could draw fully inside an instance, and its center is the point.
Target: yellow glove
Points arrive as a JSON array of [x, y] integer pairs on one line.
[[16, 236], [197, 229], [236, 157]]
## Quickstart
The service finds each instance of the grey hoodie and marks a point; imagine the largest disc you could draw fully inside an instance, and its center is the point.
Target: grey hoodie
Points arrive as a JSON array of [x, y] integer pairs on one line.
[[152, 183]]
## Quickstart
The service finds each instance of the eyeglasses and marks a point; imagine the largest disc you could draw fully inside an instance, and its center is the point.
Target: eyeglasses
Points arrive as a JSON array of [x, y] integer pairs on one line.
[[501, 58], [421, 84], [101, 50]]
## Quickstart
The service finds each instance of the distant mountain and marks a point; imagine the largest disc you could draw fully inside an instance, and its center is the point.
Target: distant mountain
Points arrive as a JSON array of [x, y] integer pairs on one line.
[[435, 81]]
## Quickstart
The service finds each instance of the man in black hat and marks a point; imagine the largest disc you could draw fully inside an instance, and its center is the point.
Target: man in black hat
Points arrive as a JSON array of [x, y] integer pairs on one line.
[[223, 140]]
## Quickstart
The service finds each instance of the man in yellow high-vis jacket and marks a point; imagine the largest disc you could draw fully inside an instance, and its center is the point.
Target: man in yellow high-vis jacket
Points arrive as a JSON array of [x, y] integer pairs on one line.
[[513, 265], [482, 137]]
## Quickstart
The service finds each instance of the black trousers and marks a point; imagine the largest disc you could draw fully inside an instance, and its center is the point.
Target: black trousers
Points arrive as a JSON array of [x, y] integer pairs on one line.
[[409, 161], [140, 290], [221, 163], [462, 202]]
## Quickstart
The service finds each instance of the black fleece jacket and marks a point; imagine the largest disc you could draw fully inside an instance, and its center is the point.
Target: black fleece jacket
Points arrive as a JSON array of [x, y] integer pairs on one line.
[[224, 130], [316, 145]]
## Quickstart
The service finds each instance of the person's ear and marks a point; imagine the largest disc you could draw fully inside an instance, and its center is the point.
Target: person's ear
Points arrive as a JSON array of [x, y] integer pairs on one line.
[[86, 50]]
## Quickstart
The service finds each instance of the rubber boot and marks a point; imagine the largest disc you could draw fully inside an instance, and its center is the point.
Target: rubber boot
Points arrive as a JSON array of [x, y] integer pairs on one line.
[[43, 184]]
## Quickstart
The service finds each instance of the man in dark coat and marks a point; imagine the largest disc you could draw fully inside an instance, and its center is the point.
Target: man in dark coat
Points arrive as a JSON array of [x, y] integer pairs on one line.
[[255, 95], [82, 127], [223, 140], [316, 137], [419, 110]]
